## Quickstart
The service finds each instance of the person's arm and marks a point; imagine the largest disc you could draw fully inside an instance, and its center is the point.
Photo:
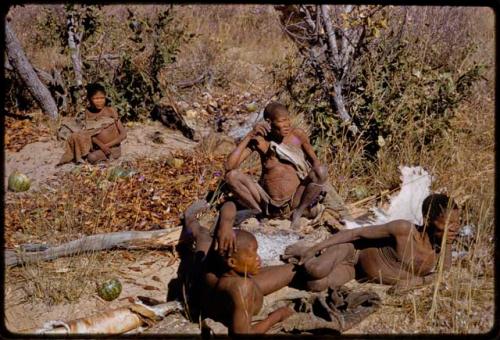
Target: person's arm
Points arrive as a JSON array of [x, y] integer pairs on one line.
[[243, 149], [415, 282], [392, 228], [101, 146], [244, 296], [307, 148], [121, 137]]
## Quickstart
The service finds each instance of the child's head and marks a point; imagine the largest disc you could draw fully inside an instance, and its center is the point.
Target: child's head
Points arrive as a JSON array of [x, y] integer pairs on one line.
[[245, 260], [96, 95], [438, 211], [277, 115]]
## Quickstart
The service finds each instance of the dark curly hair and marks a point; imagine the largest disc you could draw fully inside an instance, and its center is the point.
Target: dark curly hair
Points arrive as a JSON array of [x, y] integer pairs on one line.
[[436, 204], [273, 109], [93, 88]]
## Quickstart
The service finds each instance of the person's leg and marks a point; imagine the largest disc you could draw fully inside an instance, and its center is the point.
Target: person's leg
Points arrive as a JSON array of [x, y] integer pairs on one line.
[[96, 156], [340, 275], [245, 189], [321, 266], [317, 177]]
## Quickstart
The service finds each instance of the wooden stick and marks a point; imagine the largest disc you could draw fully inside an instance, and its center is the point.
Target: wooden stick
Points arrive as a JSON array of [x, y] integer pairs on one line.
[[369, 198], [124, 239]]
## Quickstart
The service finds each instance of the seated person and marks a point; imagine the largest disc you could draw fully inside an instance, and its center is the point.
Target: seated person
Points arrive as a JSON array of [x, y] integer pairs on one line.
[[103, 133], [233, 286], [292, 176], [396, 253]]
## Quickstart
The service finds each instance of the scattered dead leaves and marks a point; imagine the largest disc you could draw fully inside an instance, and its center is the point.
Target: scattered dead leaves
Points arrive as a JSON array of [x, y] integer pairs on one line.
[[20, 132], [85, 202]]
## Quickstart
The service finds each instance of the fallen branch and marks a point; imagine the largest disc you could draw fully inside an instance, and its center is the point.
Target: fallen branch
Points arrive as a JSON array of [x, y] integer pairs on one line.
[[188, 83], [125, 239], [116, 321]]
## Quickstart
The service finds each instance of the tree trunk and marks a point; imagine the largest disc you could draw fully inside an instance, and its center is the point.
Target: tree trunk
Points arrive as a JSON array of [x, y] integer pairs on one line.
[[125, 239], [23, 68], [74, 47], [339, 70]]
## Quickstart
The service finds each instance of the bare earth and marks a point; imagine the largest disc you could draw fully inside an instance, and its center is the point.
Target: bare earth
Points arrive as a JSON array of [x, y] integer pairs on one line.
[[38, 160]]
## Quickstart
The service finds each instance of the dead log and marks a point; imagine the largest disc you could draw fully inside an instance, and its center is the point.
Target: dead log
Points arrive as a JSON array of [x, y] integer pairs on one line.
[[124, 240], [20, 63], [115, 321]]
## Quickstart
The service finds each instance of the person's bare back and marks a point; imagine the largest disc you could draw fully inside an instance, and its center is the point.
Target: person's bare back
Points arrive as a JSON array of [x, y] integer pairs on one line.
[[234, 286]]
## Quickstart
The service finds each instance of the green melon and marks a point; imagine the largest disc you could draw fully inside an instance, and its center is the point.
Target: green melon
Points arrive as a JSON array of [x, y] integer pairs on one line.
[[18, 182], [110, 289], [119, 172]]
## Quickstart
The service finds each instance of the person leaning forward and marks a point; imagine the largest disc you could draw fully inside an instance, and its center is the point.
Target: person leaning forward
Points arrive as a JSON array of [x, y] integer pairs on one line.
[[292, 176]]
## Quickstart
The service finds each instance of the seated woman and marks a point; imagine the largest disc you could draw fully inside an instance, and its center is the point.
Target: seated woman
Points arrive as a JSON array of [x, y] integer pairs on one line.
[[397, 253], [233, 286], [103, 133]]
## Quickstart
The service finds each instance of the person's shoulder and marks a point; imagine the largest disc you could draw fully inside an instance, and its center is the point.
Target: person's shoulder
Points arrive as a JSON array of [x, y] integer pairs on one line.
[[300, 133], [238, 287], [112, 111], [401, 227]]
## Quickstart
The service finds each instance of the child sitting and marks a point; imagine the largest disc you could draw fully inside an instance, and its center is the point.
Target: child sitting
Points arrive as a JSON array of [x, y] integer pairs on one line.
[[233, 286], [103, 133]]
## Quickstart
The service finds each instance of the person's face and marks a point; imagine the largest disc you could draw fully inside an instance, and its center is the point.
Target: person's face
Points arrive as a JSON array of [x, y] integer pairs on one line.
[[449, 219], [246, 261], [98, 100], [281, 124]]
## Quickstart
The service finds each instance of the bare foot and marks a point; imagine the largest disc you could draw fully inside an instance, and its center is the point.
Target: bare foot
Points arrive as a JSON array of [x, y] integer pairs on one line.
[[295, 251], [295, 223], [195, 208]]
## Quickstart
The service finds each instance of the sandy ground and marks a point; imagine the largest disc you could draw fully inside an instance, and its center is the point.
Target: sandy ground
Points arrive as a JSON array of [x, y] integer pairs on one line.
[[38, 160]]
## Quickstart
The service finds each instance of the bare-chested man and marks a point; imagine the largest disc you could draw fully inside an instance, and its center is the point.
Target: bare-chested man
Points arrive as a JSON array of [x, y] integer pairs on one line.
[[234, 286], [397, 253], [103, 133], [291, 180]]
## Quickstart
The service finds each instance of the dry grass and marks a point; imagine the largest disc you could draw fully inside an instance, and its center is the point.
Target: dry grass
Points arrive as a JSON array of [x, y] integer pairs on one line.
[[240, 45]]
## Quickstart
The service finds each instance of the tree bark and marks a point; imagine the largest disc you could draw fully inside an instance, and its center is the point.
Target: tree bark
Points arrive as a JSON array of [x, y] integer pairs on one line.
[[337, 58], [74, 47], [125, 239], [23, 68]]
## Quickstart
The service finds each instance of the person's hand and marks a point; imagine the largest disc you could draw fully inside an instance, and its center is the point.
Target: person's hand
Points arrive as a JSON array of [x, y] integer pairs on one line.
[[106, 150], [262, 128], [309, 254], [452, 232], [283, 313], [226, 241]]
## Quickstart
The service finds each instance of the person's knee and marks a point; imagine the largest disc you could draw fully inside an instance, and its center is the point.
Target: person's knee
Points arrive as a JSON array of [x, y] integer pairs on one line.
[[313, 269], [228, 207], [232, 176], [321, 174], [93, 158]]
